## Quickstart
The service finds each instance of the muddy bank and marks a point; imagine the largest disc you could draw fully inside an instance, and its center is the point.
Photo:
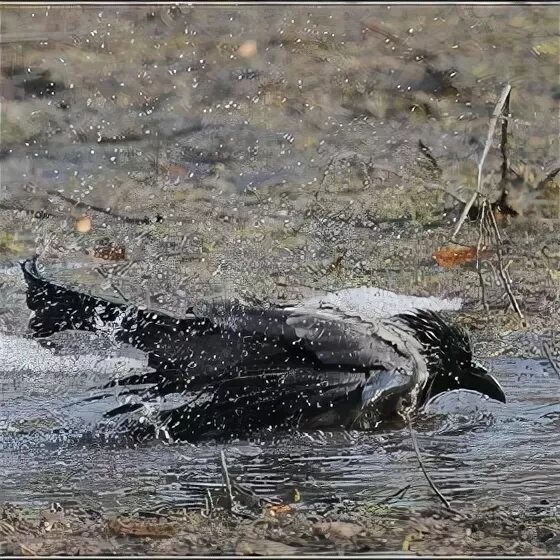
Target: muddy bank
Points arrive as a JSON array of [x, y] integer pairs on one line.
[[366, 529]]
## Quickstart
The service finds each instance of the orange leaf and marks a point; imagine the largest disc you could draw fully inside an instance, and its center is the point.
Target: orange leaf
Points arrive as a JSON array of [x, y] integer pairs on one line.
[[280, 509], [448, 257]]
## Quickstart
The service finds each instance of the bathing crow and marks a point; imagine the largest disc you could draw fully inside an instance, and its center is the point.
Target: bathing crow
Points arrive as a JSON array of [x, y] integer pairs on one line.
[[239, 369]]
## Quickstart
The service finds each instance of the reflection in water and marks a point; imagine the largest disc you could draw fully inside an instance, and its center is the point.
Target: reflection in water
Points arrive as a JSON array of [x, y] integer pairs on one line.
[[476, 450]]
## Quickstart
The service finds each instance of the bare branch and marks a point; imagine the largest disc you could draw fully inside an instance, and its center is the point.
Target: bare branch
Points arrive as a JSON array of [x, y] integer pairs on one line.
[[478, 249], [493, 121]]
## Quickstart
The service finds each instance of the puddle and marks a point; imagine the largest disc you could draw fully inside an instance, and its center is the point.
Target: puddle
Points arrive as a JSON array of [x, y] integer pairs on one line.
[[477, 451]]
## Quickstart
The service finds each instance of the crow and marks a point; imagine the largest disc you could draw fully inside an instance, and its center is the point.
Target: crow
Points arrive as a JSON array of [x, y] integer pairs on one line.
[[240, 369]]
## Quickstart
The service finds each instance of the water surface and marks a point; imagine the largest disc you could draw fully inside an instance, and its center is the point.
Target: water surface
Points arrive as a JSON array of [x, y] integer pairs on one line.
[[477, 451]]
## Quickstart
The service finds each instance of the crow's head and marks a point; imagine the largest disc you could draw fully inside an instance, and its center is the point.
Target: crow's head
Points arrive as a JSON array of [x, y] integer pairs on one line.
[[449, 359]]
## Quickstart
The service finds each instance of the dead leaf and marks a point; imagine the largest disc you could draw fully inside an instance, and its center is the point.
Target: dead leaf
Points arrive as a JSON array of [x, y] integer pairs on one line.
[[337, 530], [142, 528], [109, 252], [54, 520], [455, 255], [176, 169], [278, 510]]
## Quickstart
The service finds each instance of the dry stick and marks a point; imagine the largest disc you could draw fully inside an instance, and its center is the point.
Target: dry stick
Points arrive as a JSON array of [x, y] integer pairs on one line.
[[443, 499], [395, 495], [503, 273], [227, 482], [109, 212], [478, 248], [503, 143], [493, 121], [325, 174]]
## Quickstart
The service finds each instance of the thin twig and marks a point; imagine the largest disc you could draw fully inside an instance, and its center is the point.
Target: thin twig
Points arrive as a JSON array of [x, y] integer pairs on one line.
[[503, 272], [428, 154], [493, 121], [478, 249], [209, 504], [395, 495], [550, 359], [442, 498], [504, 141], [108, 211], [325, 174], [227, 482]]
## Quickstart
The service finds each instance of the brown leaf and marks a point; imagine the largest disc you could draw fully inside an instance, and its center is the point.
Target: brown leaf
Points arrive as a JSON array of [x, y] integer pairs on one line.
[[279, 510], [141, 528], [455, 255], [109, 252]]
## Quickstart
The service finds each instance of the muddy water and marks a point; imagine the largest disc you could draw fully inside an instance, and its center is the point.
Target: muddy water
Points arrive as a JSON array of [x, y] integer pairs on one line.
[[477, 451]]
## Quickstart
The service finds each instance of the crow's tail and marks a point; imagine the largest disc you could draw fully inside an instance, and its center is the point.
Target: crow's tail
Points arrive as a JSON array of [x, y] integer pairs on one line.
[[57, 308]]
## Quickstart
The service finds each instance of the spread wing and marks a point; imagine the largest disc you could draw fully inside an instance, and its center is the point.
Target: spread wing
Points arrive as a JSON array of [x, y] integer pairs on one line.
[[237, 368], [230, 340]]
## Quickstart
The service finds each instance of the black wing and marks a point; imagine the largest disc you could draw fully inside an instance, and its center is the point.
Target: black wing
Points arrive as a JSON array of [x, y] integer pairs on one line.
[[254, 367], [232, 340]]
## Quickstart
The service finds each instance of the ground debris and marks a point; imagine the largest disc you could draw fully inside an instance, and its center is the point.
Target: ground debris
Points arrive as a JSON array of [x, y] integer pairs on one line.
[[264, 547], [337, 530], [388, 529], [142, 528]]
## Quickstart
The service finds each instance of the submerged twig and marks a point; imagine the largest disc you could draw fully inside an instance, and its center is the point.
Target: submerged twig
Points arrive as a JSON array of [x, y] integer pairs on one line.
[[442, 498], [325, 175], [400, 493], [227, 482], [39, 214], [493, 121]]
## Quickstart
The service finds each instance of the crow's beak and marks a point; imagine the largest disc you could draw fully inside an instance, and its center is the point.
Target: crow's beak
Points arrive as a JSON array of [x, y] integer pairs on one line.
[[478, 379]]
